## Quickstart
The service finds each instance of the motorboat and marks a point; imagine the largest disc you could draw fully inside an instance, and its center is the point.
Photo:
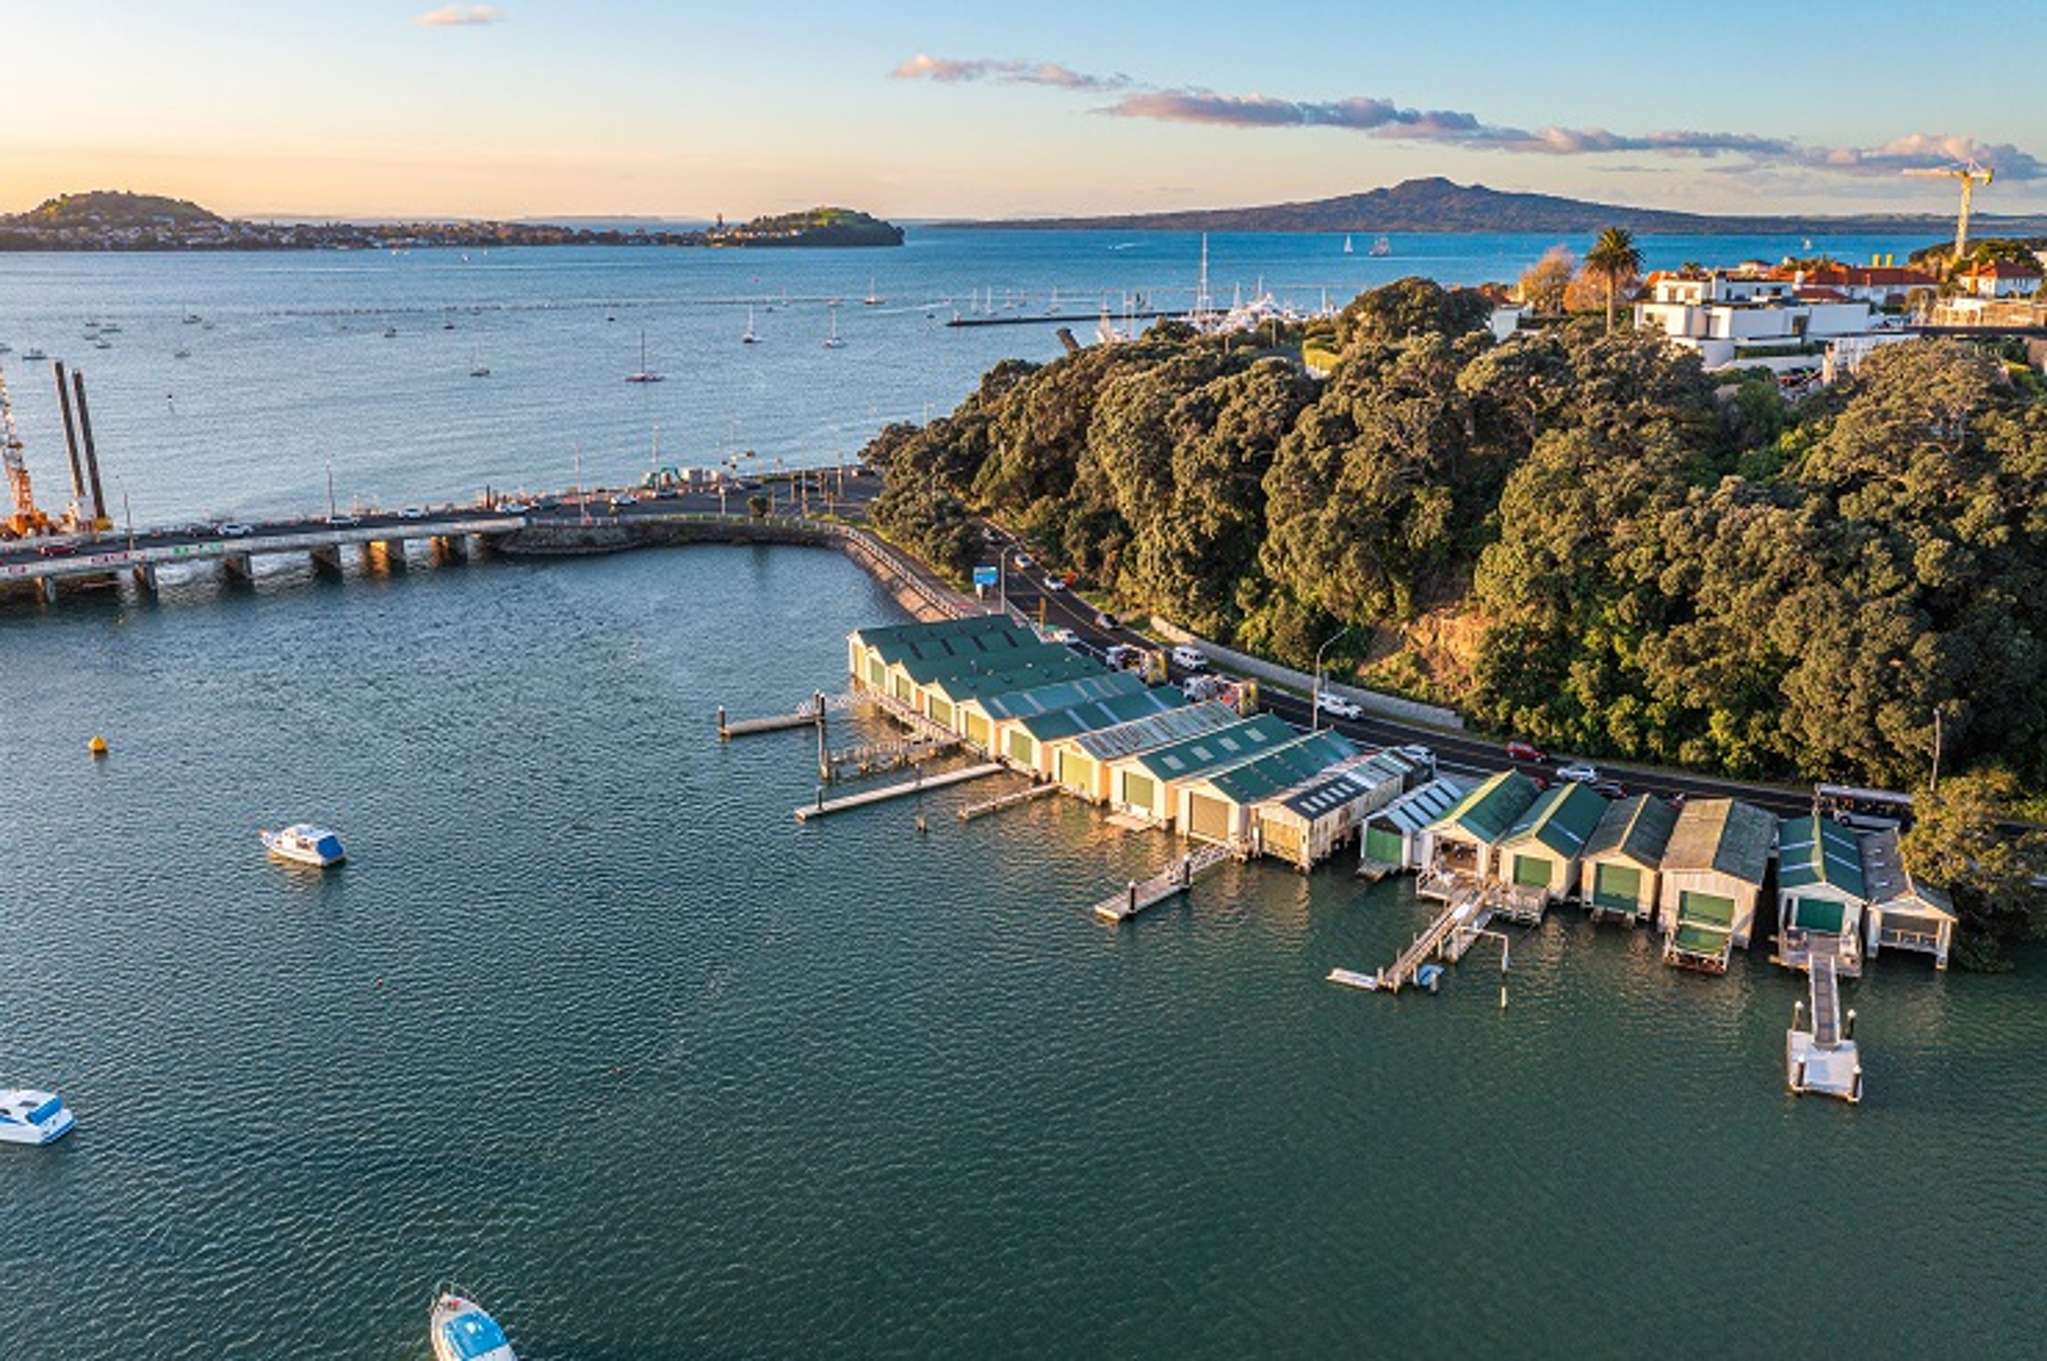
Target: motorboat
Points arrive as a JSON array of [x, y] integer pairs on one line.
[[1382, 247], [306, 844], [461, 1331], [181, 353], [29, 1116], [390, 333], [34, 354], [749, 338]]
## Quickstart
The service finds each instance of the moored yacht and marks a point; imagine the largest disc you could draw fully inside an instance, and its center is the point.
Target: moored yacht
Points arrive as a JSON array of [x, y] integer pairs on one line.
[[461, 1331], [28, 1116], [306, 844]]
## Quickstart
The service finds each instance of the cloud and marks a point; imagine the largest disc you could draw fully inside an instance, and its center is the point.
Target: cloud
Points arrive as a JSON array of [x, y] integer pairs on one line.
[[953, 71], [460, 16]]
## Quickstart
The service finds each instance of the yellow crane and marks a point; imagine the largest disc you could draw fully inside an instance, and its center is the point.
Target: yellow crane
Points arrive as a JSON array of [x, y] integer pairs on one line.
[[26, 519], [1969, 175]]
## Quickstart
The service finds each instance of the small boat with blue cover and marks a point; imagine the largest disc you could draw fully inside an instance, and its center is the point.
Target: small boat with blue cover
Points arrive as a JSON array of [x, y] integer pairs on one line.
[[461, 1331], [305, 843], [29, 1116]]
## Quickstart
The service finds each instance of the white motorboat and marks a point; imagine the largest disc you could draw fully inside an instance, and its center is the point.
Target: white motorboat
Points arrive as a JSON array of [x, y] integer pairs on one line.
[[306, 844], [29, 1116], [461, 1331], [34, 354]]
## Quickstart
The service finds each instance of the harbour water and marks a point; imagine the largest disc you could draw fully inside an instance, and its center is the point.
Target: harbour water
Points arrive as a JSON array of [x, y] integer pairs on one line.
[[589, 1024], [297, 371]]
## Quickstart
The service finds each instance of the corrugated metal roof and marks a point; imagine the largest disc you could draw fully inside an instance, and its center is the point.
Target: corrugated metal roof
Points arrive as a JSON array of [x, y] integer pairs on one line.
[[1045, 699], [1721, 834], [1102, 713], [1893, 887], [1241, 741], [974, 635], [1421, 806], [1323, 796], [1488, 811], [1034, 664], [1637, 827], [1155, 730], [1283, 767], [1562, 818], [1813, 850]]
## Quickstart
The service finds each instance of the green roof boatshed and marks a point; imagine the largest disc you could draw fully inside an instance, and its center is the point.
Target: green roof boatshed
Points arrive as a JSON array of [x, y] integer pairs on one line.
[[878, 657], [999, 714], [1622, 865], [1713, 871], [1465, 836], [1080, 762], [1306, 824], [1820, 893], [1539, 856], [1904, 913], [1147, 784], [1398, 836], [1218, 806], [1043, 731], [939, 690]]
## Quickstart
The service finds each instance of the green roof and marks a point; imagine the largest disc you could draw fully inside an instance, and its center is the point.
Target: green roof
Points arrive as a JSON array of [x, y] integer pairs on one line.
[[1035, 664], [1239, 742], [1637, 827], [1726, 835], [1561, 818], [1155, 730], [1302, 759], [1101, 713], [1814, 850], [1488, 811], [1048, 698], [975, 635]]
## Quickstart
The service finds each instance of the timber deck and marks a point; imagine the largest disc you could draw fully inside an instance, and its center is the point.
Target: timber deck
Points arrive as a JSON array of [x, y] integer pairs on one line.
[[1821, 1059], [1169, 882], [900, 789]]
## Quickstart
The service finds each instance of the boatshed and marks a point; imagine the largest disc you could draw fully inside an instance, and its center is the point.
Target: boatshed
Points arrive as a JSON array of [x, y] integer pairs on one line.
[[1820, 893], [1463, 839], [1398, 836], [1147, 784], [1218, 806], [1306, 824], [1904, 913], [1081, 762], [939, 691], [1039, 732], [1541, 851], [873, 654], [1621, 868], [1713, 870], [1001, 713]]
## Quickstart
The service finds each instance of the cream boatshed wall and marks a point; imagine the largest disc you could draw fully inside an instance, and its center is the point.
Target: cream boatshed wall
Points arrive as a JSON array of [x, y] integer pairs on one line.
[[1464, 837], [1713, 870], [1004, 713], [1306, 824], [1147, 784], [1081, 762], [942, 689], [1621, 868], [1541, 850]]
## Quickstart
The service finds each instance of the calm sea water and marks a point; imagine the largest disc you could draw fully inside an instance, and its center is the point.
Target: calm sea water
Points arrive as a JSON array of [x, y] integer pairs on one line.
[[590, 1025], [296, 370]]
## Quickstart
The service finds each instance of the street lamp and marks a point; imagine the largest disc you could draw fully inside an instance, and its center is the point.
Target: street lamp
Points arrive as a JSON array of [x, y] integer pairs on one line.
[[126, 513], [1315, 706]]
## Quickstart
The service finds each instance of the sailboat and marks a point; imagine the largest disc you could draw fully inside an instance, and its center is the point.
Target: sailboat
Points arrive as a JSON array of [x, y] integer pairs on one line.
[[643, 374], [1346, 243], [1382, 247], [832, 341], [749, 338], [873, 299], [477, 368]]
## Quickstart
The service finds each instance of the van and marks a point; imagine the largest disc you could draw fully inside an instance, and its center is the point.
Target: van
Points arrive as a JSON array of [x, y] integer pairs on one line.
[[1187, 657]]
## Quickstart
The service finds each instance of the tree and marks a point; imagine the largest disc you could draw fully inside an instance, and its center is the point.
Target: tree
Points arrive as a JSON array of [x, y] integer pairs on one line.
[[1544, 282], [1958, 840], [1615, 261], [757, 506], [1412, 306]]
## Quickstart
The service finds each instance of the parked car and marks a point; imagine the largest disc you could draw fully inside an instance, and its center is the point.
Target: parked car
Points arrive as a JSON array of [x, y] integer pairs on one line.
[[1067, 636], [1579, 772], [343, 521], [625, 499], [57, 550], [1523, 751], [1340, 707], [1610, 789], [1023, 560], [1415, 751], [1104, 620], [514, 508], [1187, 657], [1124, 657], [234, 531]]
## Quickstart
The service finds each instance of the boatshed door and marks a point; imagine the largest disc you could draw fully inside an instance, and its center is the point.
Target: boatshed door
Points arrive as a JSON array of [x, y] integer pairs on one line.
[[1138, 790], [1618, 888], [1382, 846], [1207, 817]]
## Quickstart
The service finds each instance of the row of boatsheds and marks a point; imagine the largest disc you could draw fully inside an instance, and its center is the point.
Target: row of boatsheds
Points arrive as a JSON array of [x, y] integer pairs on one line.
[[1696, 872], [1252, 783]]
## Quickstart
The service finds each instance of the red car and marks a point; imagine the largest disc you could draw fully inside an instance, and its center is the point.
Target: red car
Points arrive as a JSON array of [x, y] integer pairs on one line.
[[57, 550], [1522, 751]]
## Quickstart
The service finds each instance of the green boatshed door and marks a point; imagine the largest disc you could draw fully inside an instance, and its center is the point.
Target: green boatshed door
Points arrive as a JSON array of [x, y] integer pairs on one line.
[[1382, 846], [1818, 914], [941, 712], [1138, 790], [1534, 871], [1706, 909], [1617, 888]]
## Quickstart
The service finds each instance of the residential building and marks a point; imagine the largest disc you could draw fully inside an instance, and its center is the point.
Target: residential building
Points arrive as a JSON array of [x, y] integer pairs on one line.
[[2002, 279]]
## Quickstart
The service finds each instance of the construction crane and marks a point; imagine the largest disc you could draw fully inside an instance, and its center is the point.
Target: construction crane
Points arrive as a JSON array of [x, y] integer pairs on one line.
[[26, 519], [1969, 174]]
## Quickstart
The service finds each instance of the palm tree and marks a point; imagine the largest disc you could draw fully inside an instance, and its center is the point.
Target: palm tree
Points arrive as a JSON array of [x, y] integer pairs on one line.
[[1614, 259]]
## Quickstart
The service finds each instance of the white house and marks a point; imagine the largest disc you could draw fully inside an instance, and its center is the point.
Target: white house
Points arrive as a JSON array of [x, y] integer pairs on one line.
[[2002, 279], [1749, 319]]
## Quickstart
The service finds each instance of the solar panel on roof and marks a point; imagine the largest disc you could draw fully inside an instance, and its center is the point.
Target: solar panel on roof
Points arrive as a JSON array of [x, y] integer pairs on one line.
[[1228, 743]]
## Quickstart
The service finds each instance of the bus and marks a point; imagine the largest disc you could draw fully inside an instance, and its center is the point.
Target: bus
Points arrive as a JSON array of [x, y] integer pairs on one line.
[[1869, 810]]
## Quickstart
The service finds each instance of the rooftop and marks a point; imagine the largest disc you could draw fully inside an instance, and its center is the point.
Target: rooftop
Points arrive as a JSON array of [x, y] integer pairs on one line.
[[1891, 885], [1561, 818], [1637, 827], [1347, 782], [1725, 835], [1421, 806], [1101, 713], [1299, 760], [1225, 746], [974, 635], [1490, 810], [1814, 850], [1064, 694], [1155, 730]]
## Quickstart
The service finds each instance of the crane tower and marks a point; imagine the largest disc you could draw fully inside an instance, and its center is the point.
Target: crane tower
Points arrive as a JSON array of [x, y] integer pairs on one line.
[[1970, 175], [25, 519]]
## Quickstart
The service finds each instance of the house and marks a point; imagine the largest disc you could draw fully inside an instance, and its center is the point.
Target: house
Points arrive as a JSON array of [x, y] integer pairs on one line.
[[2002, 279], [1398, 836], [1028, 742], [1080, 762], [1147, 784], [1541, 851], [1820, 893], [1306, 824], [1712, 877], [1903, 913], [1462, 839], [1881, 285], [1745, 319], [1001, 714], [1219, 806], [1621, 868]]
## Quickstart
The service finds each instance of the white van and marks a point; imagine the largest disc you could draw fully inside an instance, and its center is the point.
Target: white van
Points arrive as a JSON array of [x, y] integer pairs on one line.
[[1186, 656]]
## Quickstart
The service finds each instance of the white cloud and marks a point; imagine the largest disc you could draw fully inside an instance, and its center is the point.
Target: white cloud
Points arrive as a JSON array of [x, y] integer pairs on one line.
[[460, 16]]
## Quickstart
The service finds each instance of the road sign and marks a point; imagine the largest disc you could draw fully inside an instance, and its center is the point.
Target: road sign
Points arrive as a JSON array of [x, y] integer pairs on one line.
[[984, 576]]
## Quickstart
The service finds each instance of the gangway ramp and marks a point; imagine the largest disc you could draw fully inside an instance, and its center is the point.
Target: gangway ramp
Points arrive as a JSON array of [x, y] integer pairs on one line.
[[1171, 881]]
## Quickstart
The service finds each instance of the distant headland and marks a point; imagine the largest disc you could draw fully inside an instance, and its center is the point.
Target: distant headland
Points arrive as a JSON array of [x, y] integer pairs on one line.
[[107, 219], [1437, 205]]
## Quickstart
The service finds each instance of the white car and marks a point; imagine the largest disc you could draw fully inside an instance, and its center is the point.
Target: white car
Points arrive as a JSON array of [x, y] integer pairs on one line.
[[1023, 561], [343, 521], [412, 513], [1067, 636], [235, 531], [1187, 657], [1339, 707], [625, 499], [514, 508], [1579, 773], [1416, 752]]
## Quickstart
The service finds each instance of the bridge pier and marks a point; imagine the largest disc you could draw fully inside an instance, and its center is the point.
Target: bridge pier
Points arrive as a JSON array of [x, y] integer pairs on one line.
[[48, 587], [393, 551], [326, 559], [451, 547], [145, 577], [237, 567]]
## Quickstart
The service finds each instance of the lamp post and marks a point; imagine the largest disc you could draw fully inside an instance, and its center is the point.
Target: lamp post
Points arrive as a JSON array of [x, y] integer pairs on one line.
[[126, 513], [1315, 705]]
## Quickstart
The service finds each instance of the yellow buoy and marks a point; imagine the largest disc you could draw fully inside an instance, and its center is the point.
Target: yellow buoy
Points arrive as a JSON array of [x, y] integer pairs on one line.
[[97, 746]]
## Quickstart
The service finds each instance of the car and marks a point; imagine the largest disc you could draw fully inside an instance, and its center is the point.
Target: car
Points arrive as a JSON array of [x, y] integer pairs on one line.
[[1067, 636], [1186, 657], [1523, 751], [343, 521], [624, 498], [1104, 620], [1339, 707], [1579, 773], [1023, 560], [666, 494], [1416, 752], [1054, 584], [412, 513], [514, 508], [234, 531], [57, 550], [1610, 789], [1123, 656]]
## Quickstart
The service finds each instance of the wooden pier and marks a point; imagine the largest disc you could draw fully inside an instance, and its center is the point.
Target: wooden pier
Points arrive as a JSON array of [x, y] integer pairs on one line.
[[1169, 882], [1016, 798], [807, 716], [1463, 917], [898, 790], [872, 758], [1823, 1059]]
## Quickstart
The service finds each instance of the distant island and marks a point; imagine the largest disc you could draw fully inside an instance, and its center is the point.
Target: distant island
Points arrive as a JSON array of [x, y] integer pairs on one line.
[[107, 219], [1438, 205]]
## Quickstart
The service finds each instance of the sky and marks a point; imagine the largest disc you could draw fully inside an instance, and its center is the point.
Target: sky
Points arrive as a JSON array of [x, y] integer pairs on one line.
[[916, 109]]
